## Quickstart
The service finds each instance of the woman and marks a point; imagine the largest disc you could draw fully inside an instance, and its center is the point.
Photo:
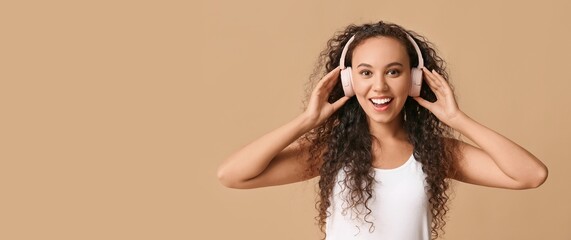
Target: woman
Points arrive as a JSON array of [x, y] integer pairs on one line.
[[385, 156]]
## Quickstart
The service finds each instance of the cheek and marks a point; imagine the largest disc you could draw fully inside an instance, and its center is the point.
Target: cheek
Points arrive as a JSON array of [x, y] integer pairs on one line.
[[363, 102], [360, 86], [402, 84]]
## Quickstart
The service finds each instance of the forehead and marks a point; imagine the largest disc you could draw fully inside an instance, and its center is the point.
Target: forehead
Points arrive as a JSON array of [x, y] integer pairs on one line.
[[379, 51]]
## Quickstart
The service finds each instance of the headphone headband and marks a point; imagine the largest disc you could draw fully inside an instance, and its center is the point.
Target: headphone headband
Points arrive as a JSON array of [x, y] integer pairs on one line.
[[345, 48], [418, 53]]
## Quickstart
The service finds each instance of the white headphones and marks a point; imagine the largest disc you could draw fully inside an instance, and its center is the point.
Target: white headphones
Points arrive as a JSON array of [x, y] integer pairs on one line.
[[416, 73]]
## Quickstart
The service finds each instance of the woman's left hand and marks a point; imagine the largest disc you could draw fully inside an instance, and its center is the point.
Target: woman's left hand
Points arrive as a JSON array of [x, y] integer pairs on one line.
[[445, 107]]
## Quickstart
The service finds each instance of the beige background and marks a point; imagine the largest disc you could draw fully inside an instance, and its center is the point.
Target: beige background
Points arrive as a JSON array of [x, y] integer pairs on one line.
[[116, 114]]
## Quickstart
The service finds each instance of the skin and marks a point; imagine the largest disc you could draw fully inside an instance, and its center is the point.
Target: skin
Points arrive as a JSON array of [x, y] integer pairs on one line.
[[276, 158], [382, 69]]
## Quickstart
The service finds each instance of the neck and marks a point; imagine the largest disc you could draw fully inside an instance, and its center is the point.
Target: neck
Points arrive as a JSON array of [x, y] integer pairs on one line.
[[388, 132]]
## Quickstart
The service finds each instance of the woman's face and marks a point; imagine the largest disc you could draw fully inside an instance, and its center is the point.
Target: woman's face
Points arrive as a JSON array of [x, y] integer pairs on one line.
[[381, 78]]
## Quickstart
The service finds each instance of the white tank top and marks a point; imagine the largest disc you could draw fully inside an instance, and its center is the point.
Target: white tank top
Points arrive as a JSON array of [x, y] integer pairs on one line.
[[399, 207]]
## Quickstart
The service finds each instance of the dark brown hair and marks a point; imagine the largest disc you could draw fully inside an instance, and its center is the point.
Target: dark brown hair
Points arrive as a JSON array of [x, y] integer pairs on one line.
[[344, 142]]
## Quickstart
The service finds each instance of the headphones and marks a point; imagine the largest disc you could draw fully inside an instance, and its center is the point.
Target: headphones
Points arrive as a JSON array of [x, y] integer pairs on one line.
[[416, 73]]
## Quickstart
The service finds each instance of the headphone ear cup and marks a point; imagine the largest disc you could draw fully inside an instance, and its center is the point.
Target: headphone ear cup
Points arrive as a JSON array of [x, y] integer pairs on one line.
[[416, 77], [347, 82]]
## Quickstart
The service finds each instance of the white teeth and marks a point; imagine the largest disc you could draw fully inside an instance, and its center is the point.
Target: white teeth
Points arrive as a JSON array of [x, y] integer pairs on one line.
[[380, 100]]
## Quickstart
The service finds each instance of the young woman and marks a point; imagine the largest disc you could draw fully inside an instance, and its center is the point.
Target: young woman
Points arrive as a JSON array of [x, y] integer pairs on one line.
[[384, 156]]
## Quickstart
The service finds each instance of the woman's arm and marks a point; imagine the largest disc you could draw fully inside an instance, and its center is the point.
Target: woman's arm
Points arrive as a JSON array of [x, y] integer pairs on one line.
[[266, 161], [276, 158], [498, 162]]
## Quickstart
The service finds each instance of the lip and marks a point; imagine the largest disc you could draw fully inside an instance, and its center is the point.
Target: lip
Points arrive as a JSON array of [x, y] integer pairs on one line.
[[381, 108], [380, 97]]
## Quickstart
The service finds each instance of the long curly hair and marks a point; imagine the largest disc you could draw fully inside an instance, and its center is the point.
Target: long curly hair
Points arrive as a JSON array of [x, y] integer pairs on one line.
[[344, 141]]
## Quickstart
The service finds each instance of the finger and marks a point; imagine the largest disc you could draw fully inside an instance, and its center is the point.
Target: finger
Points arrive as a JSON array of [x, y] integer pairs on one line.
[[337, 104], [438, 78], [423, 102], [331, 78], [330, 75], [323, 88], [444, 91], [430, 79], [434, 86], [327, 78], [442, 81]]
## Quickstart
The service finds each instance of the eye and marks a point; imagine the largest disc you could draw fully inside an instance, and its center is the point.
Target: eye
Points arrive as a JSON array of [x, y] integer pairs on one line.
[[365, 73], [394, 72]]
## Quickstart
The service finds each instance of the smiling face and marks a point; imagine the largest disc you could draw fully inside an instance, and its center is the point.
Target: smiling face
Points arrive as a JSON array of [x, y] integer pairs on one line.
[[381, 78]]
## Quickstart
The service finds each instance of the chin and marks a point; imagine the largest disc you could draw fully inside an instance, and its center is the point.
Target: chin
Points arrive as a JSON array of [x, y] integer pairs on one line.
[[383, 117]]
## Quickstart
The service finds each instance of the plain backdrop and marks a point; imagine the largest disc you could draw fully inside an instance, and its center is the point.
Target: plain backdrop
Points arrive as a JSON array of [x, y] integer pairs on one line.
[[116, 114]]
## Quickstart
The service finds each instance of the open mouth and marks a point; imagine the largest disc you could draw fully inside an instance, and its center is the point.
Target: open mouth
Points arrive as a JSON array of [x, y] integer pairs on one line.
[[381, 103]]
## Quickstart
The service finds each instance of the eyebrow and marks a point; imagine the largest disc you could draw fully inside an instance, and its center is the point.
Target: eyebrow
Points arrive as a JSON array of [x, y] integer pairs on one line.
[[388, 65]]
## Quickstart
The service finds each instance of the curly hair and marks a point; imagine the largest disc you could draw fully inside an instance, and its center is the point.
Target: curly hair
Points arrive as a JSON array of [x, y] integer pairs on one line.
[[344, 141]]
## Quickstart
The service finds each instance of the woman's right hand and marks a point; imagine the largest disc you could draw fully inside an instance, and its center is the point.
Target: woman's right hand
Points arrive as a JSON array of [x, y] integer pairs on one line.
[[319, 109]]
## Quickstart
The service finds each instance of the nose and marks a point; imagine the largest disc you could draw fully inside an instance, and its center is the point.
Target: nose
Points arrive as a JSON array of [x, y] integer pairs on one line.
[[380, 84]]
